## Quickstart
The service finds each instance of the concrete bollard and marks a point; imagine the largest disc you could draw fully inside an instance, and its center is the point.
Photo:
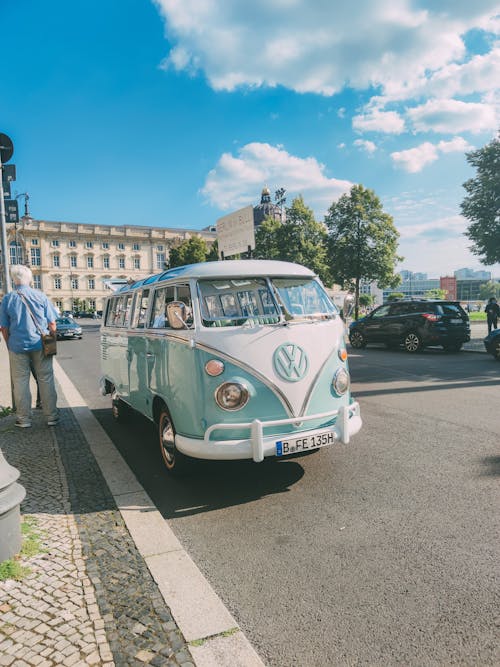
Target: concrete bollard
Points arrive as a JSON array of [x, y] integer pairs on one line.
[[11, 497]]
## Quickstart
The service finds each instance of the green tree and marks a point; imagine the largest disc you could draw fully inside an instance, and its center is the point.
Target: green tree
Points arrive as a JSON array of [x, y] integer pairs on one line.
[[213, 252], [365, 299], [482, 204], [491, 288], [393, 296], [300, 238], [363, 241], [436, 293], [190, 251]]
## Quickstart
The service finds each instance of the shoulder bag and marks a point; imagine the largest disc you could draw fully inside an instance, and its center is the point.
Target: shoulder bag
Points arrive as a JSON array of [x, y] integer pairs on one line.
[[49, 341]]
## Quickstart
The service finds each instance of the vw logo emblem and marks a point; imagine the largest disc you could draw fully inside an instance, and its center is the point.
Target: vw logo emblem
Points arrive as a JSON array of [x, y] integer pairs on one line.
[[290, 362]]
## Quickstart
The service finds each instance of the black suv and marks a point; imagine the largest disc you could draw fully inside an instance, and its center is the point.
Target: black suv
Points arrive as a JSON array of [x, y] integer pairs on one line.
[[415, 324]]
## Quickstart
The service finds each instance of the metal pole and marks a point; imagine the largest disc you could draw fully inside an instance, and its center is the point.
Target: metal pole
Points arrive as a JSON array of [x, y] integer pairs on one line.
[[5, 255]]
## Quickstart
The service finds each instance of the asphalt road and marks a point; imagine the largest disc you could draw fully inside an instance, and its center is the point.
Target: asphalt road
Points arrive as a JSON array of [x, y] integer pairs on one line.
[[383, 552]]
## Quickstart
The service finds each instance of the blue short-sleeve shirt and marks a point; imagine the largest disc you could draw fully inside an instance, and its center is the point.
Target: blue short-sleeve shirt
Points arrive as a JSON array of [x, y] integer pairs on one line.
[[24, 336]]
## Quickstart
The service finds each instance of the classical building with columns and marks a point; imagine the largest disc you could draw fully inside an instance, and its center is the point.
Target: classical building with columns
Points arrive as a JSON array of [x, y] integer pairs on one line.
[[71, 262]]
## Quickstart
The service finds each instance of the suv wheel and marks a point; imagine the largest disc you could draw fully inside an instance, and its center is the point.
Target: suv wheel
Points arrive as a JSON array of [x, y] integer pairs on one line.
[[412, 342], [357, 340]]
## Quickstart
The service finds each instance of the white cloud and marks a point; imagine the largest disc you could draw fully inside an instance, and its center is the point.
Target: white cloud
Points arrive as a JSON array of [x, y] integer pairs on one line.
[[236, 181], [376, 120], [415, 159], [368, 146], [450, 116], [323, 46]]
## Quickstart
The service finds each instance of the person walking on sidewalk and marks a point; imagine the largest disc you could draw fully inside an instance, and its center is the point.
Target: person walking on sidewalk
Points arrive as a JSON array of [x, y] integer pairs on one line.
[[492, 311], [17, 310]]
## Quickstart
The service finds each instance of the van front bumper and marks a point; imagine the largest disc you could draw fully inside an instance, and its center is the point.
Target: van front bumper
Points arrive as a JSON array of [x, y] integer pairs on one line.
[[257, 446]]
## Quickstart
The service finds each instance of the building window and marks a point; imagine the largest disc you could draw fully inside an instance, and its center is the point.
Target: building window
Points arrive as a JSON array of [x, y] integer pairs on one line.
[[137, 262], [16, 252], [105, 245], [35, 257], [136, 246], [59, 305], [55, 243], [160, 248], [105, 262], [73, 261], [160, 260], [37, 282], [72, 244], [89, 244], [57, 283], [91, 283], [56, 260], [121, 246], [90, 262], [121, 262], [34, 241], [74, 283], [92, 304]]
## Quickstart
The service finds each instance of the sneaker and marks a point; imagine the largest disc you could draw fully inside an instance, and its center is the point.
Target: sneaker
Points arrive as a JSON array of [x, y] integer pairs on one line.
[[53, 422], [21, 424]]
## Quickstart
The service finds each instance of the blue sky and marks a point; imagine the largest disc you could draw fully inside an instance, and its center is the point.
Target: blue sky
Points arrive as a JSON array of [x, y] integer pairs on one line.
[[176, 112]]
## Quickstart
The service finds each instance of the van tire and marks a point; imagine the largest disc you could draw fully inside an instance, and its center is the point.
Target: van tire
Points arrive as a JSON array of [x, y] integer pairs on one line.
[[175, 462], [119, 409]]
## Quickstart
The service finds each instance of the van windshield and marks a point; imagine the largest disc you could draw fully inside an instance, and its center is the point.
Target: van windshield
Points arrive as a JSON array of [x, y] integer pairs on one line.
[[234, 302]]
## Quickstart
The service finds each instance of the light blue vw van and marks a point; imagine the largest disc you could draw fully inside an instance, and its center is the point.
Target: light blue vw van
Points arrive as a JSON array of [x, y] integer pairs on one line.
[[240, 359]]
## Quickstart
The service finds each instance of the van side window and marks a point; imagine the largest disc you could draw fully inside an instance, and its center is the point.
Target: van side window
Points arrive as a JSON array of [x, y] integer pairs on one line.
[[111, 313], [141, 307], [162, 297], [119, 311]]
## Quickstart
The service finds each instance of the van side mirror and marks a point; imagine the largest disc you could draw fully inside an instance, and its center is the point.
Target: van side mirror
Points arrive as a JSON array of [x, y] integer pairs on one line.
[[177, 314], [348, 306]]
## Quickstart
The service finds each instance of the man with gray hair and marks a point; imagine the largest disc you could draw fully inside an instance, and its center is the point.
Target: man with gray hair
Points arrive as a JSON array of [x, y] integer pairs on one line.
[[23, 313]]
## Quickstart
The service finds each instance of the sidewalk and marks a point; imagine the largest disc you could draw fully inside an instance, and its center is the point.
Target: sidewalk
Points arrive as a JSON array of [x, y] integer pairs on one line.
[[110, 585]]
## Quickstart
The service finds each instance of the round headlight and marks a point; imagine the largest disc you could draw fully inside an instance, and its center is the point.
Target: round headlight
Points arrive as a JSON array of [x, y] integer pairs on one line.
[[340, 382], [231, 396]]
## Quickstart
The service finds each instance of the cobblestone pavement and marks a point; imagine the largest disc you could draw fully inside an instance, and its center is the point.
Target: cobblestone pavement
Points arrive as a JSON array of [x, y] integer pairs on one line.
[[89, 599]]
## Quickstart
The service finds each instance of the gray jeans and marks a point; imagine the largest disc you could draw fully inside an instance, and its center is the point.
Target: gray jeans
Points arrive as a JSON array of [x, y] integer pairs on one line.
[[20, 372]]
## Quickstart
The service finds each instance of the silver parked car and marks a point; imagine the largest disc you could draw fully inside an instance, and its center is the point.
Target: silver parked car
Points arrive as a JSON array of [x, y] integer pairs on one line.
[[66, 327]]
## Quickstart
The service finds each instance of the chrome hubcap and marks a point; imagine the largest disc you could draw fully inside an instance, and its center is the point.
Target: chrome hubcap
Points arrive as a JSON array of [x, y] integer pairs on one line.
[[411, 343], [356, 340], [167, 440]]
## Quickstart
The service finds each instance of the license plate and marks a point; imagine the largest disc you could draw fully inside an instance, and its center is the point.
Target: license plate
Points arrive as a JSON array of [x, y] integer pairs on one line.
[[456, 321], [304, 443]]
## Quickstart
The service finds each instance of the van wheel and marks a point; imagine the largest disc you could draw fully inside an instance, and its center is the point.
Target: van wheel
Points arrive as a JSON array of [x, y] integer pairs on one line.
[[357, 340], [412, 342], [119, 409], [175, 462]]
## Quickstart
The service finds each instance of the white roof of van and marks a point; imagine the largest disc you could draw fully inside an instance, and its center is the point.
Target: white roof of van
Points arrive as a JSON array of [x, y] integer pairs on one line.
[[237, 268]]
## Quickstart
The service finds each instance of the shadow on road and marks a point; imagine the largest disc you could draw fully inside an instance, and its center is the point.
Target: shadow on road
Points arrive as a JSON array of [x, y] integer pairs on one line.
[[210, 485]]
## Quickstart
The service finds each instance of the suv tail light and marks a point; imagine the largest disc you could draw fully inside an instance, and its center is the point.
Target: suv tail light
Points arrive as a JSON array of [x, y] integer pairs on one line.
[[431, 317]]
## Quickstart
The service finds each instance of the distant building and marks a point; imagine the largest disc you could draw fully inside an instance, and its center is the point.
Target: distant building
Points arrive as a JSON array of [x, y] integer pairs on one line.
[[72, 262], [470, 274], [267, 209], [449, 285]]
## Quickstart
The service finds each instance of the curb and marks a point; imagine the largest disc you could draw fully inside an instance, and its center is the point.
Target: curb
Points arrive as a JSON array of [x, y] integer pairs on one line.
[[213, 636]]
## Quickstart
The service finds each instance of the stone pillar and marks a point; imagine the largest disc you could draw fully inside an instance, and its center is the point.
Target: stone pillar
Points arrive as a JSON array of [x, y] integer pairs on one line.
[[11, 496]]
